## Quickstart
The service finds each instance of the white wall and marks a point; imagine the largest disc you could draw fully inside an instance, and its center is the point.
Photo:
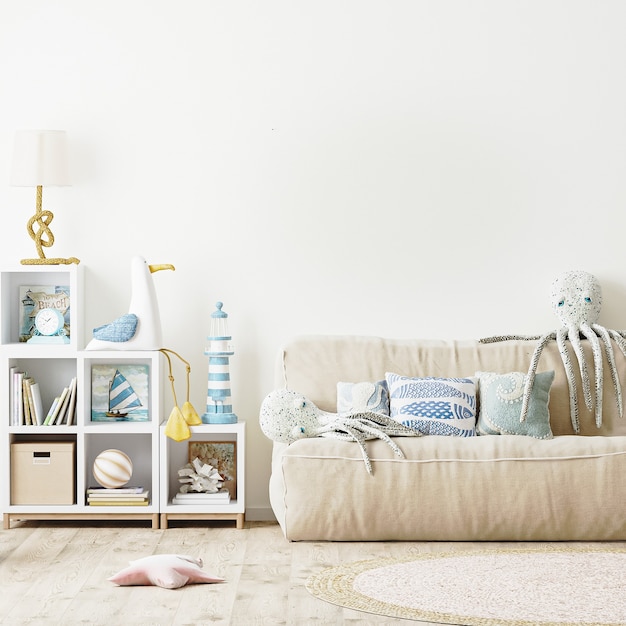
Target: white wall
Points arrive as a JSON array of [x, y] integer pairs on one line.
[[405, 168]]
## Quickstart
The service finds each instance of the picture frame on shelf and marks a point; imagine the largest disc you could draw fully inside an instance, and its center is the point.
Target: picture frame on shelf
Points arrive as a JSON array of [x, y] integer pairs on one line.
[[222, 455], [33, 298], [120, 392]]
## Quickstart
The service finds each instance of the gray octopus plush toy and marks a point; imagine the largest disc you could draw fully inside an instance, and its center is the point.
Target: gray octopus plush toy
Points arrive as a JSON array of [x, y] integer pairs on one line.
[[287, 416], [577, 299]]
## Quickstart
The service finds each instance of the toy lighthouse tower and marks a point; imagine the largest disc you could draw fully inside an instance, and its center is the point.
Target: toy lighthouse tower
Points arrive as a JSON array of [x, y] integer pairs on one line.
[[219, 408]]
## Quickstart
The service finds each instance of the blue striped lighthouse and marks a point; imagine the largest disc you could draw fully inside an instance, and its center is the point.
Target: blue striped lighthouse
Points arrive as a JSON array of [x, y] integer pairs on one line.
[[219, 407]]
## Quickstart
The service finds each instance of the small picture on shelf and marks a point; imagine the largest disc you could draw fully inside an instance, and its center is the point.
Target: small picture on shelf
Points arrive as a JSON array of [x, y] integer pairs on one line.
[[120, 392], [221, 455], [33, 298]]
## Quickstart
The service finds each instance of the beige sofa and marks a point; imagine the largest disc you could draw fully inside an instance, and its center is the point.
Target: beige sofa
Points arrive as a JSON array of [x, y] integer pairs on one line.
[[492, 488]]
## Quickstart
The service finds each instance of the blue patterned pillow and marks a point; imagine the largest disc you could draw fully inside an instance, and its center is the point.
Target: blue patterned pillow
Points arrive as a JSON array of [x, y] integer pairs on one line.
[[434, 406], [353, 397], [501, 398]]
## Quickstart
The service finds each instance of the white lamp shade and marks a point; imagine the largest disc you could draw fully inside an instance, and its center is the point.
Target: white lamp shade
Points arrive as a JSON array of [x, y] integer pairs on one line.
[[40, 158]]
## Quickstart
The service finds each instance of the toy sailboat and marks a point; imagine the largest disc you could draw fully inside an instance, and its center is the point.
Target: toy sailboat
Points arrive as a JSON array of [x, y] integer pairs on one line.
[[122, 397]]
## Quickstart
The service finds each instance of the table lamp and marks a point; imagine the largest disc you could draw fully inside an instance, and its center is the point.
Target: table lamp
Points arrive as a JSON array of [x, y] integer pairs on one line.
[[40, 159]]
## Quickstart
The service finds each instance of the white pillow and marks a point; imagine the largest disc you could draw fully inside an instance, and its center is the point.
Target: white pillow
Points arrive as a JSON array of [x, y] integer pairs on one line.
[[362, 397]]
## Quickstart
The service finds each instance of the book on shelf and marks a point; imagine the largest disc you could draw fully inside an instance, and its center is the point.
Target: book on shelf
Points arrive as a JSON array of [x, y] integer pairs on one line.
[[58, 403], [70, 417], [12, 372], [142, 498], [214, 495], [117, 497], [36, 297], [35, 396], [63, 412], [62, 407], [26, 398], [115, 490], [119, 502], [16, 392], [51, 410], [219, 497], [32, 402]]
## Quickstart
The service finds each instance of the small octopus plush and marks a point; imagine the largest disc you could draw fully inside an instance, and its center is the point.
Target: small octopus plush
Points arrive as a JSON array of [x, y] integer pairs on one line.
[[287, 416]]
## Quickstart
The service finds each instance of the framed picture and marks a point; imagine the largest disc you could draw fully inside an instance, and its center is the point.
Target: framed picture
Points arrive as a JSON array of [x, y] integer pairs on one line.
[[120, 392], [222, 455], [36, 297]]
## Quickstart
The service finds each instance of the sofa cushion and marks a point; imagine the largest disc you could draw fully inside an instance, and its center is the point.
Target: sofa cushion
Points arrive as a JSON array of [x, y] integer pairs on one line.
[[434, 406], [361, 397], [500, 404], [452, 489]]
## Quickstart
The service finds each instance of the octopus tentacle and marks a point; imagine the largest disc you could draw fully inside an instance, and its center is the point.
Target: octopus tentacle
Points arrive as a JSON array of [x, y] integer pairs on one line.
[[603, 333], [360, 440], [359, 427], [618, 337], [571, 379], [376, 432], [532, 370], [381, 427], [597, 362], [574, 337], [381, 422], [499, 338]]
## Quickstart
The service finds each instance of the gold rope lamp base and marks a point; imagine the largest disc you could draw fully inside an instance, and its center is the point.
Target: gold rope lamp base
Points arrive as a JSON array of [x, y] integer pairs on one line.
[[51, 261], [43, 236]]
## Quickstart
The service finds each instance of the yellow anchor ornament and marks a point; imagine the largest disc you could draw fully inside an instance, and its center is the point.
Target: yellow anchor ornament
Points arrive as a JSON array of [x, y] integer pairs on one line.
[[179, 421]]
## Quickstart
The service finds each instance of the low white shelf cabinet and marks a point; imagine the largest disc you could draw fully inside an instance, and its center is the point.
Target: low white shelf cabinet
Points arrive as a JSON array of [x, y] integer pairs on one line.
[[176, 454], [62, 455]]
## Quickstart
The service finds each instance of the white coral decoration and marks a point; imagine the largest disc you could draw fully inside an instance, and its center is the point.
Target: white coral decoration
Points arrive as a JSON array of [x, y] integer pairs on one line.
[[198, 477]]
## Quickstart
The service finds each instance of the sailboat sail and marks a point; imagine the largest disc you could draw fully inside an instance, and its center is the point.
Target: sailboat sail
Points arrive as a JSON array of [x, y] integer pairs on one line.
[[122, 396]]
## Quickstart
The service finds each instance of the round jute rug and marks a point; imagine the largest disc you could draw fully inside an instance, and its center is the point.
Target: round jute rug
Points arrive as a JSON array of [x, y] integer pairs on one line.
[[556, 586]]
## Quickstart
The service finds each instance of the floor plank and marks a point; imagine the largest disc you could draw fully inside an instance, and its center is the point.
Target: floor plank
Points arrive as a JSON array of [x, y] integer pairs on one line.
[[56, 573]]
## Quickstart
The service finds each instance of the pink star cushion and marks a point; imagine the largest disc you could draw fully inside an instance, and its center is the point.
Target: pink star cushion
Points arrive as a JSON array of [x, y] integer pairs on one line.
[[170, 571]]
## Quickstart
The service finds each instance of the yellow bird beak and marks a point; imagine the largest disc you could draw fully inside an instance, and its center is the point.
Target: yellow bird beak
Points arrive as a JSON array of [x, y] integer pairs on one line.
[[161, 266]]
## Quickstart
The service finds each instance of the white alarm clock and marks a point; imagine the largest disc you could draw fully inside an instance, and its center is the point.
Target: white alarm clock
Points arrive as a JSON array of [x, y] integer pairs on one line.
[[49, 327]]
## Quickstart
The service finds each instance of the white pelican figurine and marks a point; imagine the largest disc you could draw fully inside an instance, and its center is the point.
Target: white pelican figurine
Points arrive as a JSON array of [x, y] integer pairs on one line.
[[140, 328]]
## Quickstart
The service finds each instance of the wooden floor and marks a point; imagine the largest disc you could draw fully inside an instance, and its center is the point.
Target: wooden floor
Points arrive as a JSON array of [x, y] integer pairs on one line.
[[56, 573]]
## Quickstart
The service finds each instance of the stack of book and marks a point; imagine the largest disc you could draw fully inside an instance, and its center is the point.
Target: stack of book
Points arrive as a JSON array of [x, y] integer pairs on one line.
[[27, 408], [121, 496], [219, 497]]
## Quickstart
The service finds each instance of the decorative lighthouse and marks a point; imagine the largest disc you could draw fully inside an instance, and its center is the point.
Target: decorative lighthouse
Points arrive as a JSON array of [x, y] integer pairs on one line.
[[219, 408]]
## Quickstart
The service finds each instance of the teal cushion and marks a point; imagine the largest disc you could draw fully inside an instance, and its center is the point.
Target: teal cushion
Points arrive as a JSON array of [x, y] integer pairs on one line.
[[500, 404]]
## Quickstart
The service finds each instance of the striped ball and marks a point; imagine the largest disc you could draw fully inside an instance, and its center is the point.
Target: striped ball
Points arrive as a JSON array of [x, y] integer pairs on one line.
[[112, 469]]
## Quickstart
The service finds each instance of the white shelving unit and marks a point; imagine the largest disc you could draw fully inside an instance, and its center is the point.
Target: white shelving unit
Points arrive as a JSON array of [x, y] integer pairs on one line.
[[156, 458], [53, 366], [175, 455]]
